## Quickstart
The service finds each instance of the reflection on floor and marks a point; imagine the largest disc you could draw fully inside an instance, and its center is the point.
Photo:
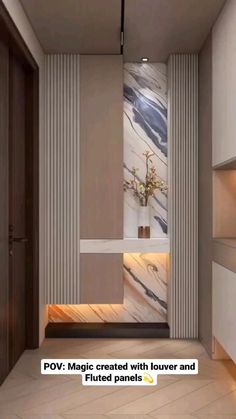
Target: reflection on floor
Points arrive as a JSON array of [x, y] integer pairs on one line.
[[28, 395]]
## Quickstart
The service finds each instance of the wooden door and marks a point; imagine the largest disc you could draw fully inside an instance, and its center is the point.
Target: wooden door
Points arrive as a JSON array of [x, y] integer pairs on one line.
[[4, 170], [19, 282]]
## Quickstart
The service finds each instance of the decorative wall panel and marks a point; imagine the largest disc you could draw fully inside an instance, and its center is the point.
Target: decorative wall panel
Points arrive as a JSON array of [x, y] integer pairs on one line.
[[101, 278], [101, 147], [62, 178], [144, 274], [183, 195], [145, 292], [145, 128]]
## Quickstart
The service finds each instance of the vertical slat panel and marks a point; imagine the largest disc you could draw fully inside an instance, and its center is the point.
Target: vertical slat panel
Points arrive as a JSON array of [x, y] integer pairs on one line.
[[183, 194], [62, 178]]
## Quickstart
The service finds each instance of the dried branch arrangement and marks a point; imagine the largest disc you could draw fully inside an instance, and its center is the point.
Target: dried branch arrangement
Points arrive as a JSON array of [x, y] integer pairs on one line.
[[143, 190]]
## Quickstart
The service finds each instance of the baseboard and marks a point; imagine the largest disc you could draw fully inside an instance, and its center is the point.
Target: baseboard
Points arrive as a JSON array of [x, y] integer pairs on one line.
[[107, 330]]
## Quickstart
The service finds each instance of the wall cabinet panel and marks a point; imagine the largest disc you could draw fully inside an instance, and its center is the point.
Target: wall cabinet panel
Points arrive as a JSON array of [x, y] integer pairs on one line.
[[101, 279], [101, 147], [224, 308], [224, 85], [205, 196], [101, 175]]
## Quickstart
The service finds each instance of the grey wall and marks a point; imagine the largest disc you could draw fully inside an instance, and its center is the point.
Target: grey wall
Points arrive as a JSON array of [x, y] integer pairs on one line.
[[205, 195]]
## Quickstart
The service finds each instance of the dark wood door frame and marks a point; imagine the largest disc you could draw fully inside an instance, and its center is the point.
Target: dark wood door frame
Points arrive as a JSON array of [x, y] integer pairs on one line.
[[14, 38], [4, 211], [11, 37], [32, 156]]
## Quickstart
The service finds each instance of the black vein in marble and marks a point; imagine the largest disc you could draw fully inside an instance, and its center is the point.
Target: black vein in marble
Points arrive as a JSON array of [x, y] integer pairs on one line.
[[145, 82], [153, 268], [147, 290], [162, 223]]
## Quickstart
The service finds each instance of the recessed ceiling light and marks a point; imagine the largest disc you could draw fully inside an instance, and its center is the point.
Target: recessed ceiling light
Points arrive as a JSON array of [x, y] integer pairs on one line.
[[144, 59]]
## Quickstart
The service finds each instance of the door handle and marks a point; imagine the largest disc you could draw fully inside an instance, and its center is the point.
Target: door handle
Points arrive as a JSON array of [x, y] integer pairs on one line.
[[19, 239]]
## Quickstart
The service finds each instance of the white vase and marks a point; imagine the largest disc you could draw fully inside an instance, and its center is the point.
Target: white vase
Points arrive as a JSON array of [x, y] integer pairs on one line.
[[144, 222]]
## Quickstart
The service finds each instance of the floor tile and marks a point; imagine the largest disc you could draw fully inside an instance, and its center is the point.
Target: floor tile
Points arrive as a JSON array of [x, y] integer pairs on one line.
[[161, 397], [26, 394], [204, 416], [174, 416], [197, 399], [114, 400], [223, 405]]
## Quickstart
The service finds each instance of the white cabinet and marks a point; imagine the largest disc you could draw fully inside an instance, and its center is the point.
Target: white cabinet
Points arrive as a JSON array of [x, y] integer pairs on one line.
[[224, 308], [224, 85]]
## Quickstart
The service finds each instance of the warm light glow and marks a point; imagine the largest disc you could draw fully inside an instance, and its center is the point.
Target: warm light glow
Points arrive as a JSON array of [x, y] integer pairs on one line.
[[149, 268], [144, 59]]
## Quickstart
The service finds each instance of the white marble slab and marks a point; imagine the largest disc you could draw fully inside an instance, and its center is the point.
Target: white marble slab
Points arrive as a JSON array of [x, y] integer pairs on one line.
[[145, 129], [159, 245]]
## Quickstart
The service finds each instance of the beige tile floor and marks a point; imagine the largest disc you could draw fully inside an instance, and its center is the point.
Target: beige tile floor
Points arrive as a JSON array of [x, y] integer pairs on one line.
[[28, 395]]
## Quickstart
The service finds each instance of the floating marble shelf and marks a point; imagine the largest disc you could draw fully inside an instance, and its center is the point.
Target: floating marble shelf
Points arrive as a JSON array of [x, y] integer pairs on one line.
[[158, 245], [226, 165], [231, 241], [224, 252]]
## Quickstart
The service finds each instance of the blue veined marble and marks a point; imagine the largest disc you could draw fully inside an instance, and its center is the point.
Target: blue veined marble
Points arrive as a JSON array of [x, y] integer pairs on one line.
[[162, 223], [145, 128], [150, 116]]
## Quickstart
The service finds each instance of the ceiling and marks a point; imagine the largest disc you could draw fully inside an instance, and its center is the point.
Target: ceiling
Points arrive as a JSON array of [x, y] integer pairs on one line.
[[152, 28], [157, 28], [76, 26]]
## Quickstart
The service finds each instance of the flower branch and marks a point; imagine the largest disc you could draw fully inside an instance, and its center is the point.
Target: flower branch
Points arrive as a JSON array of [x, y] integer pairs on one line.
[[144, 190]]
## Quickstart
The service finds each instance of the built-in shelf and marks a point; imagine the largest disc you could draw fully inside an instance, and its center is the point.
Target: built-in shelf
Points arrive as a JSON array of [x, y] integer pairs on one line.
[[157, 245], [231, 242], [226, 165], [224, 252]]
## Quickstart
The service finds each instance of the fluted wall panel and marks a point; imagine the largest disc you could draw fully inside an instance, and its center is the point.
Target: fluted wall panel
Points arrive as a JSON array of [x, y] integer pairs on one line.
[[183, 194], [62, 178]]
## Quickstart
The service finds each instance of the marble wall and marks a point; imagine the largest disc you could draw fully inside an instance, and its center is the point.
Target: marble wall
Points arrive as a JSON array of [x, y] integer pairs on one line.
[[145, 128], [145, 274]]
